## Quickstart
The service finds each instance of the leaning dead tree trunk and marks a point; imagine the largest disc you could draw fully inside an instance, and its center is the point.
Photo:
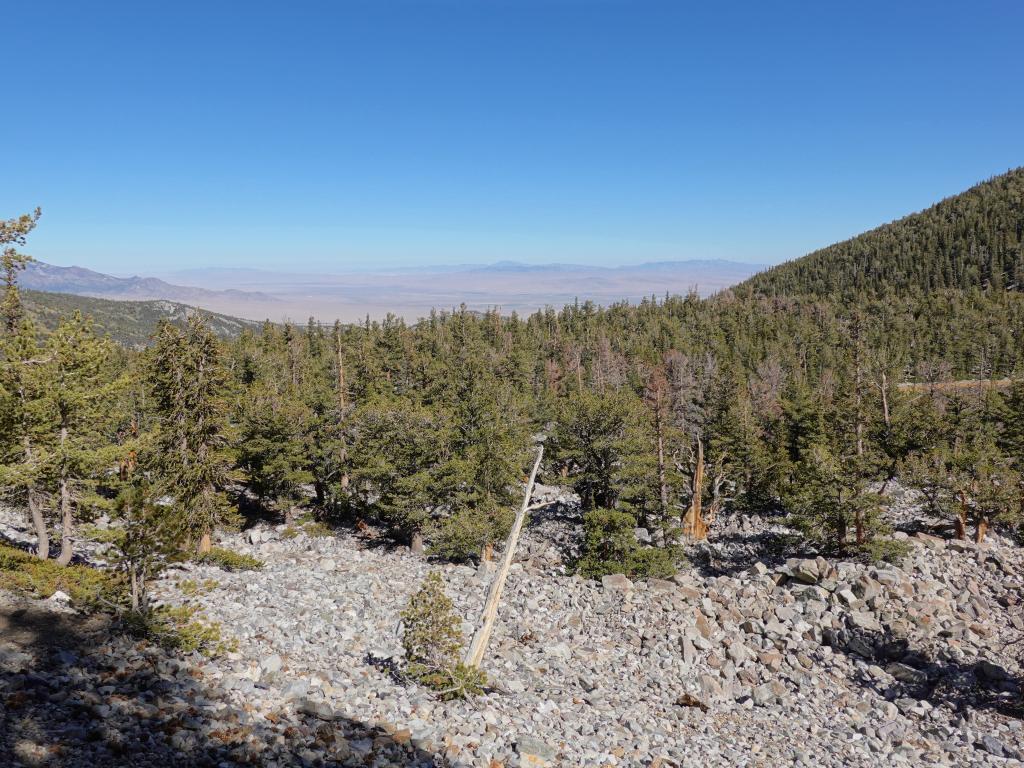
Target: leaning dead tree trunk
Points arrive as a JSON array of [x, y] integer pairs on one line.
[[475, 654]]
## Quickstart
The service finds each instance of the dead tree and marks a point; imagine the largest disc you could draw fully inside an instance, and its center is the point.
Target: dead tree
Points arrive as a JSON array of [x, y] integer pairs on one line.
[[475, 654], [695, 521]]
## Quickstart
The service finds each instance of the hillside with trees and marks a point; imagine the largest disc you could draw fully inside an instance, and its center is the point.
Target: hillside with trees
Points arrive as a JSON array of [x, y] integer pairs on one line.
[[971, 241], [129, 323]]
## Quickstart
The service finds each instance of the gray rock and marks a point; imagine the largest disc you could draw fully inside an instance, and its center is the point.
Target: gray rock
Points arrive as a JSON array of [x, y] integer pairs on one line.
[[271, 664], [907, 674], [616, 581], [534, 749]]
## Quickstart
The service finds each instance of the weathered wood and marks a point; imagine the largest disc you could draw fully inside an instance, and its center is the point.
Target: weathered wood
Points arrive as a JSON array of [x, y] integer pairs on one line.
[[693, 521], [475, 654]]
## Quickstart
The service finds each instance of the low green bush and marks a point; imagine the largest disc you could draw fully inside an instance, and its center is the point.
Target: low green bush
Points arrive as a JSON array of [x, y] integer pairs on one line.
[[102, 535], [317, 530], [192, 588], [610, 546], [177, 629], [88, 587], [230, 561]]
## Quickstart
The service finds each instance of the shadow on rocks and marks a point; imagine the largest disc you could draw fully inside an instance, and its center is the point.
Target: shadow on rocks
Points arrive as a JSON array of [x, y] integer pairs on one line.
[[76, 692], [940, 678], [739, 542]]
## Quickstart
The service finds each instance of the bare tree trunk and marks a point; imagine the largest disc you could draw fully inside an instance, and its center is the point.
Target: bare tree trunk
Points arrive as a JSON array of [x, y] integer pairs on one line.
[[134, 575], [39, 523], [475, 654], [205, 543], [961, 518], [981, 529], [417, 543], [885, 401], [66, 521], [693, 521]]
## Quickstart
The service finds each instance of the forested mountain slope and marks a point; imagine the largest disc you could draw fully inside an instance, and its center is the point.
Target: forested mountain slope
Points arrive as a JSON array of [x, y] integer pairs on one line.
[[974, 240], [130, 323]]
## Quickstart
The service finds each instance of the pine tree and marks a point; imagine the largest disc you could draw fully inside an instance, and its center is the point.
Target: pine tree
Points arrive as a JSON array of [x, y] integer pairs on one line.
[[75, 389], [19, 353], [188, 385], [486, 464], [432, 640], [590, 441], [271, 449], [399, 455], [830, 497], [1011, 416]]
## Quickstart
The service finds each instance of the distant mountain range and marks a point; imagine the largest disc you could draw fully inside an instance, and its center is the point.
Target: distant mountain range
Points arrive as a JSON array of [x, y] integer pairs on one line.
[[39, 276], [410, 293]]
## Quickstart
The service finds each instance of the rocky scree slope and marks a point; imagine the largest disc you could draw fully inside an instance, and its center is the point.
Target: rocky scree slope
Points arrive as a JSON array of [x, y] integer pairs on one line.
[[804, 662]]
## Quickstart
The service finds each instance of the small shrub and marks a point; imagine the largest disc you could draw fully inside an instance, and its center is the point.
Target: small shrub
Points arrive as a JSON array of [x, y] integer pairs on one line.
[[89, 588], [611, 547], [290, 532], [317, 530], [102, 535], [464, 535], [432, 641], [177, 629], [884, 550], [192, 588], [230, 561]]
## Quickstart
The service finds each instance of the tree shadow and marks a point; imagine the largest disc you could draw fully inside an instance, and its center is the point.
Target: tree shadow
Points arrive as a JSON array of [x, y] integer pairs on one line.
[[560, 526], [938, 677], [730, 550], [74, 691]]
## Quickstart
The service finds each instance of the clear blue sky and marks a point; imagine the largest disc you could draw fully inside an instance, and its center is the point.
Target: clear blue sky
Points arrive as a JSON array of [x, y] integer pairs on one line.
[[341, 134]]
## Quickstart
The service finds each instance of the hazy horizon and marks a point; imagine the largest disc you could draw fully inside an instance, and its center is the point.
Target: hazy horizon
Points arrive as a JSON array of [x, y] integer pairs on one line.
[[337, 136]]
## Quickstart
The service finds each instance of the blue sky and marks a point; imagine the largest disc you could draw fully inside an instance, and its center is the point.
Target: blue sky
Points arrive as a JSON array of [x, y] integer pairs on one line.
[[335, 135]]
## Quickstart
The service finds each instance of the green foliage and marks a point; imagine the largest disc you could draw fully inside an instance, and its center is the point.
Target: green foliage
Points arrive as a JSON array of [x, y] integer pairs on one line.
[[432, 639], [399, 456], [317, 530], [102, 535], [229, 561], [463, 536], [968, 484], [829, 499], [610, 546], [188, 385], [970, 241], [271, 450], [192, 588], [89, 588], [177, 629], [593, 435]]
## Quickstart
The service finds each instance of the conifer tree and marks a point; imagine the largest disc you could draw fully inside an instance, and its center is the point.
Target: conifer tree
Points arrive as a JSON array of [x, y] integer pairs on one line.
[[188, 385], [271, 450], [19, 353], [399, 454], [76, 390], [591, 438]]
